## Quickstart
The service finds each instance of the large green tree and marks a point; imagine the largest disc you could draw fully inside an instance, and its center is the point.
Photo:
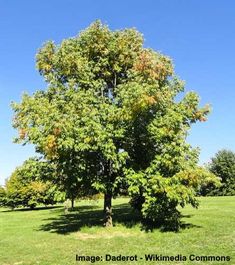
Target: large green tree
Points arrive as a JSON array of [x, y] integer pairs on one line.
[[109, 119]]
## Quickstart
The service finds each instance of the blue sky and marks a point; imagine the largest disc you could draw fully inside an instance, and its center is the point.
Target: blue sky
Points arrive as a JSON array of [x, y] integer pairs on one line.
[[198, 35]]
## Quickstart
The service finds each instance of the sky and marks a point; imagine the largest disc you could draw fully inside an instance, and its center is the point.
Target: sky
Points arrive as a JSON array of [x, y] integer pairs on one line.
[[198, 35]]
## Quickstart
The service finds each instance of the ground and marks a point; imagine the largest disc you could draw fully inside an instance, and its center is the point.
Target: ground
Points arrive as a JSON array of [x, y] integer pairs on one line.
[[47, 236]]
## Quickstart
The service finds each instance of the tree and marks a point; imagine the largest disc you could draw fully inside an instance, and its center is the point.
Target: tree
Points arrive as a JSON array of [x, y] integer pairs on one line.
[[25, 187], [223, 166], [2, 196], [108, 118]]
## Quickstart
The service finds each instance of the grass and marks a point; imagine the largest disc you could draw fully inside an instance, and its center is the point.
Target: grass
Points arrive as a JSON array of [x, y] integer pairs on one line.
[[47, 236]]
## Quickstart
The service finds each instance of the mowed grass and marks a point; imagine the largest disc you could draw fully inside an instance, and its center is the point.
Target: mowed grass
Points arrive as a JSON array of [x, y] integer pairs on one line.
[[51, 237]]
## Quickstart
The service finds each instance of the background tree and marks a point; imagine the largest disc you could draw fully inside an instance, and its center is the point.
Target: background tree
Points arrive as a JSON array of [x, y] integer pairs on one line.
[[223, 166], [109, 119], [25, 187], [2, 196]]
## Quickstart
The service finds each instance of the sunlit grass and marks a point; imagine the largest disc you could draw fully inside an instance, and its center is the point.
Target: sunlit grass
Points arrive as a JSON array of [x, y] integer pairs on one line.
[[51, 237]]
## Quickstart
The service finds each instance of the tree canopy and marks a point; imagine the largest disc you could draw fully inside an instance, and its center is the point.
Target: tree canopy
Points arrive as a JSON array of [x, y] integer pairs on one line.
[[223, 166], [109, 119], [29, 186], [2, 196]]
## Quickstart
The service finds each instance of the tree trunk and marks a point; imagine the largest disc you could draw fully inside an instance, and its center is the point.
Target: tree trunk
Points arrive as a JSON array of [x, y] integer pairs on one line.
[[72, 203], [108, 209]]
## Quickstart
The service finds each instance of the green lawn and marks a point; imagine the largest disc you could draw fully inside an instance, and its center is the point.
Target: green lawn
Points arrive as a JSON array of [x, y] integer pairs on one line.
[[49, 237]]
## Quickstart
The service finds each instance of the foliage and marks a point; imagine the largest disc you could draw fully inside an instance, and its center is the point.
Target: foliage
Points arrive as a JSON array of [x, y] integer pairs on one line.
[[223, 166], [109, 120], [158, 197], [25, 187], [2, 196]]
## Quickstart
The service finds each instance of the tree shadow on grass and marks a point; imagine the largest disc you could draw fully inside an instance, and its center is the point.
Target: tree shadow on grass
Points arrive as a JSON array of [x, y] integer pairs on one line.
[[88, 216], [169, 226], [185, 225], [91, 216], [41, 208]]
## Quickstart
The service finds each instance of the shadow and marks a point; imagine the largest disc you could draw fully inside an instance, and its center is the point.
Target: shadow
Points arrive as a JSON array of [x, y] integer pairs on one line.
[[41, 208], [90, 216], [87, 216], [184, 225], [188, 226], [125, 215], [169, 226], [83, 208]]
